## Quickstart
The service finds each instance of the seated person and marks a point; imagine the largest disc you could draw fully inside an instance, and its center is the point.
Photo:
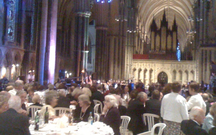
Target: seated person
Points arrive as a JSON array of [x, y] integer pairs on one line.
[[36, 102], [153, 105], [4, 96], [192, 126], [110, 114], [11, 122], [83, 109], [51, 102], [63, 101], [30, 95], [212, 131], [135, 111], [208, 121], [22, 94]]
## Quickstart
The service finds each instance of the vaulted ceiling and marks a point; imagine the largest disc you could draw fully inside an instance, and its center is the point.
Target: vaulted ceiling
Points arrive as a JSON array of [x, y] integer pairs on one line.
[[180, 9]]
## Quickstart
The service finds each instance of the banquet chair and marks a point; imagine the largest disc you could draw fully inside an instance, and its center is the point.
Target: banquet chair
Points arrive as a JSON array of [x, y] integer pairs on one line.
[[98, 102], [96, 107], [32, 109], [96, 117], [149, 119], [61, 110], [152, 132], [124, 124]]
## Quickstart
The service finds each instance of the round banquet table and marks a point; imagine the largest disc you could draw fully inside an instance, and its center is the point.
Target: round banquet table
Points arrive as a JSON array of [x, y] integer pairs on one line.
[[81, 128]]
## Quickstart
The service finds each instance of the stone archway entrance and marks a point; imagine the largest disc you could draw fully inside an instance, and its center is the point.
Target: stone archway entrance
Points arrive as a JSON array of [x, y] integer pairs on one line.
[[162, 78]]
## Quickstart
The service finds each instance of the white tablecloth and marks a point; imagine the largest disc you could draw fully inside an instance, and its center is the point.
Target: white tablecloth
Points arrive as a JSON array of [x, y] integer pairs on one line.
[[82, 128]]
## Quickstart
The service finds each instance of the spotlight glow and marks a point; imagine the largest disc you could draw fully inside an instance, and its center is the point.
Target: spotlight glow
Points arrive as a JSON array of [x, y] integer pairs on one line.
[[52, 54]]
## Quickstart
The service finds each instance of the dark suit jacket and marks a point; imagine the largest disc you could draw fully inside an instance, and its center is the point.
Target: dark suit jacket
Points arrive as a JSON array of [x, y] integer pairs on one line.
[[113, 119], [135, 111], [189, 127], [13, 123], [98, 96], [63, 102], [212, 131], [79, 116], [153, 106]]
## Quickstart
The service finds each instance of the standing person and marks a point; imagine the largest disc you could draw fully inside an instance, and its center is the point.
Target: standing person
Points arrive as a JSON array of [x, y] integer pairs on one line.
[[173, 110], [11, 122], [135, 111], [195, 99]]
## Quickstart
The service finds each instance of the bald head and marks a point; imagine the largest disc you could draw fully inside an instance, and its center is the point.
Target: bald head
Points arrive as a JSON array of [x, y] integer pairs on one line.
[[197, 114], [142, 97]]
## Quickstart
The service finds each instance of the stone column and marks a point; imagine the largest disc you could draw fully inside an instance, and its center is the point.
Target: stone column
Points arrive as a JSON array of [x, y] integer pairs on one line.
[[52, 41], [101, 59], [82, 9], [43, 37]]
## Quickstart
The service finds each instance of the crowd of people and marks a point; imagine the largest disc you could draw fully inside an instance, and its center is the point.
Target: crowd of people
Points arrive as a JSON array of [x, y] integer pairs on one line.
[[183, 109]]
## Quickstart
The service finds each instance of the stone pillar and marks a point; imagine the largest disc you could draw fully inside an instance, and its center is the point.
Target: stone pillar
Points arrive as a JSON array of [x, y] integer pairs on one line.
[[43, 37], [2, 21], [101, 58], [52, 41], [208, 67], [82, 9]]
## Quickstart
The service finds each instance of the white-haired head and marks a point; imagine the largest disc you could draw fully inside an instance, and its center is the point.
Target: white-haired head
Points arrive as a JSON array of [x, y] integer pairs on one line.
[[86, 91], [111, 100], [142, 96], [197, 114], [62, 92], [15, 103], [18, 85]]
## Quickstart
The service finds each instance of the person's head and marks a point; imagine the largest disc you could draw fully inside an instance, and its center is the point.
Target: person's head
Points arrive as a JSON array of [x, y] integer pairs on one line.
[[126, 89], [8, 88], [51, 87], [142, 97], [156, 94], [194, 88], [18, 85], [176, 87], [4, 96], [212, 110], [167, 89], [51, 98], [205, 97], [87, 91], [22, 94], [133, 94], [15, 103], [93, 89], [62, 92], [76, 92], [30, 91], [36, 99], [110, 101], [197, 114], [84, 100]]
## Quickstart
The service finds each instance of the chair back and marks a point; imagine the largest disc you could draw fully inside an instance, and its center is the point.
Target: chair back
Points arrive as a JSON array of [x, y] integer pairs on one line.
[[98, 102], [124, 124], [96, 117], [161, 128], [96, 107], [150, 119], [61, 110], [32, 109]]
